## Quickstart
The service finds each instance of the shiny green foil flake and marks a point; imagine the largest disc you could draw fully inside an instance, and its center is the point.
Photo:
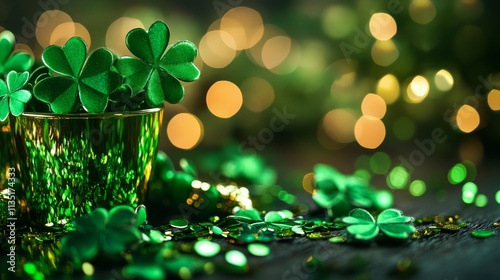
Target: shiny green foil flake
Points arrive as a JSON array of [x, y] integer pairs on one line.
[[112, 167], [206, 248], [236, 258], [482, 233], [217, 230], [258, 249], [286, 232]]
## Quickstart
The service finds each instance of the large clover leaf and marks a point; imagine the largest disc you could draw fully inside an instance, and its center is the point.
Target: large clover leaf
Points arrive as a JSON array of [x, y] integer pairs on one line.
[[12, 97], [160, 74], [109, 233], [73, 74], [19, 61], [391, 222]]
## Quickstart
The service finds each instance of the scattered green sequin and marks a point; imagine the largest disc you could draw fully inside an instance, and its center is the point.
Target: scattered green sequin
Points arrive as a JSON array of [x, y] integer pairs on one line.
[[457, 174], [481, 200], [179, 223], [217, 230], [236, 258], [258, 249], [206, 248], [482, 233], [337, 239], [425, 232]]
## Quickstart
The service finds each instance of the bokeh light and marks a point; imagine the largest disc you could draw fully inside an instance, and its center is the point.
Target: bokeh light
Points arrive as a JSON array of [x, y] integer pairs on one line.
[[369, 132], [382, 26], [417, 90], [443, 80], [383, 199], [494, 99], [398, 178], [258, 94], [373, 106], [497, 197], [244, 25], [63, 32], [46, 24], [185, 131], [217, 49], [339, 21], [404, 128], [469, 191], [418, 188], [116, 33], [457, 174], [422, 11], [384, 53], [339, 125], [467, 118], [224, 99], [388, 88], [481, 200], [308, 182], [275, 51], [380, 163]]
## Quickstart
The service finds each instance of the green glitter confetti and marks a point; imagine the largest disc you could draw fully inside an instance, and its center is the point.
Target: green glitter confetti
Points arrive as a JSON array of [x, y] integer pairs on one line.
[[481, 200], [236, 258], [457, 174], [206, 248], [320, 235], [258, 249], [482, 233], [417, 188], [398, 177]]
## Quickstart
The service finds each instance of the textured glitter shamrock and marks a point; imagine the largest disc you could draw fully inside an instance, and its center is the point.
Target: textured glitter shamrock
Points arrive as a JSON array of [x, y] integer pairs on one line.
[[74, 75], [108, 233], [160, 74], [391, 222], [12, 97], [19, 61]]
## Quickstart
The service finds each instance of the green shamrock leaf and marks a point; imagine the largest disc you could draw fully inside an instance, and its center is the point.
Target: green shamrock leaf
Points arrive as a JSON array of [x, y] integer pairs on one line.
[[160, 74], [74, 75], [108, 233], [12, 97], [391, 222], [19, 61]]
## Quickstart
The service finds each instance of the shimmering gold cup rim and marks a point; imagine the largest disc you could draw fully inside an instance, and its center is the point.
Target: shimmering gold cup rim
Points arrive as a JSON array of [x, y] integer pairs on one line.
[[123, 114]]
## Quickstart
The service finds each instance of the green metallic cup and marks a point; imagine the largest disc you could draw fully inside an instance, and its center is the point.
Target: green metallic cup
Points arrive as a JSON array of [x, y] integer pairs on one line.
[[6, 151], [72, 164]]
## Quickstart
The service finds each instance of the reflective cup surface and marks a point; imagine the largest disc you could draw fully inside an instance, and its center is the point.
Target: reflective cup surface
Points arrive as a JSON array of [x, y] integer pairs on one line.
[[72, 164]]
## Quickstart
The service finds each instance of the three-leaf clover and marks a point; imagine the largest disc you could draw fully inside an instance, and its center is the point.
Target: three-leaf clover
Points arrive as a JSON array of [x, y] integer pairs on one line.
[[391, 222], [19, 61], [12, 97], [160, 74], [74, 75], [102, 232]]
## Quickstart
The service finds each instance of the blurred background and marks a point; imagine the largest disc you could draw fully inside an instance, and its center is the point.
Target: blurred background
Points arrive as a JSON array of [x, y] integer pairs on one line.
[[402, 92]]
